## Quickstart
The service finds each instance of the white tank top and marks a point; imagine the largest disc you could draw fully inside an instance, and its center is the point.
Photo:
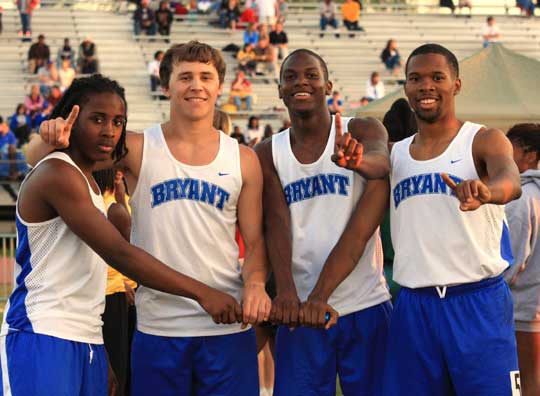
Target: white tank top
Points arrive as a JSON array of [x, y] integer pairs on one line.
[[186, 217], [435, 243], [59, 287], [321, 197]]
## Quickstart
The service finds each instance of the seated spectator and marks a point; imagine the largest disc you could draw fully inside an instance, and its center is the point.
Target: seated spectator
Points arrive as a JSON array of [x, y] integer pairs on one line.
[[391, 58], [153, 70], [267, 11], [246, 59], [38, 55], [21, 124], [282, 8], [254, 131], [280, 42], [25, 7], [144, 19], [335, 104], [52, 100], [251, 35], [490, 32], [65, 52], [263, 32], [350, 12], [448, 4], [8, 152], [364, 101], [35, 104], [268, 131], [164, 19], [47, 77], [328, 15], [88, 62], [357, 104], [241, 91], [264, 56], [66, 75], [374, 87], [526, 6], [248, 16], [237, 134], [229, 15]]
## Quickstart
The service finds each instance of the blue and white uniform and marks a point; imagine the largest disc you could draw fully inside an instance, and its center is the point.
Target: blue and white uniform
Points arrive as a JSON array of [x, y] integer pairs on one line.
[[452, 329], [186, 216], [51, 341], [308, 359]]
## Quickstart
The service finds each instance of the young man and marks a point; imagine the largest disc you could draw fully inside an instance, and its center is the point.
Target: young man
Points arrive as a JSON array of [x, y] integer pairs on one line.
[[190, 184], [321, 219], [452, 329]]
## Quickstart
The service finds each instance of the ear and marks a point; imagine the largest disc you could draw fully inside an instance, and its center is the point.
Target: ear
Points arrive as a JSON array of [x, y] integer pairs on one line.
[[531, 157], [457, 86], [329, 87], [279, 91], [220, 89]]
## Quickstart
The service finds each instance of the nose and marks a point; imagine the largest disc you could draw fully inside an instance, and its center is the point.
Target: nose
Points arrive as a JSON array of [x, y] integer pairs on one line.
[[196, 84], [108, 128], [426, 84]]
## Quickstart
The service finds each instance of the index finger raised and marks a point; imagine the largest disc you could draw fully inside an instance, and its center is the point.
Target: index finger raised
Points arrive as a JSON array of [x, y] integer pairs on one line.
[[339, 127], [449, 182], [72, 117]]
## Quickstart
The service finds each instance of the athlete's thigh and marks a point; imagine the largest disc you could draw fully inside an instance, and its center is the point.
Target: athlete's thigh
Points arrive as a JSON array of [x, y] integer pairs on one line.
[[414, 364], [226, 365], [36, 364], [480, 342], [305, 362], [95, 374], [361, 341], [161, 366]]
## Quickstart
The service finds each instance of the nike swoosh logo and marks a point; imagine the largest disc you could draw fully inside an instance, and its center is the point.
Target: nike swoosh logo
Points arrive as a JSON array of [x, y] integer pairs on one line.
[[454, 161], [222, 174]]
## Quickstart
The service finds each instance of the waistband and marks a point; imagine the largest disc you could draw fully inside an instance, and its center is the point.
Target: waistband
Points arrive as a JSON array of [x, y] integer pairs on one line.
[[447, 291]]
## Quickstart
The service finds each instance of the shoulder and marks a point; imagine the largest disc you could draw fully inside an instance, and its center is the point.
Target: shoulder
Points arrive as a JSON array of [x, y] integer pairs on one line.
[[264, 151], [367, 128], [58, 176], [489, 136]]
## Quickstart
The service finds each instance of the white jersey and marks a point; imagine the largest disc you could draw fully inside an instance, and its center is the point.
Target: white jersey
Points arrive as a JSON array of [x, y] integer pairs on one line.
[[186, 217], [321, 197], [59, 280], [435, 243]]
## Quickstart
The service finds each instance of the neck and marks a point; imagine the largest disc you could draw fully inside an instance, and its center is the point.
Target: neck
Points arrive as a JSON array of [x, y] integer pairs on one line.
[[86, 166], [311, 126], [444, 127], [189, 130]]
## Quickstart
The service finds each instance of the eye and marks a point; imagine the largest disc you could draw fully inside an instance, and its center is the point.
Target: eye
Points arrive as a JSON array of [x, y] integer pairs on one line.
[[313, 76], [98, 119], [119, 122], [438, 78], [413, 78]]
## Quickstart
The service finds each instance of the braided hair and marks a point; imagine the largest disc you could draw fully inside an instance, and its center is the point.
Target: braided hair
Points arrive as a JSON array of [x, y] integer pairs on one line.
[[78, 94]]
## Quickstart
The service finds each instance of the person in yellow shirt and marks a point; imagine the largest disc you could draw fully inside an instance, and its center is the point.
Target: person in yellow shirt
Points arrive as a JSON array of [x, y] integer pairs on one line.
[[350, 12]]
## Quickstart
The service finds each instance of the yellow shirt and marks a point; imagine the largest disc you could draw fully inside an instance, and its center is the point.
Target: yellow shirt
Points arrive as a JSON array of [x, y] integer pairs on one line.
[[115, 280], [350, 11]]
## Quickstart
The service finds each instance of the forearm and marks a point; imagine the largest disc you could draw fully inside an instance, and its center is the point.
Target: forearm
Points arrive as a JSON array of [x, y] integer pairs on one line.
[[375, 165], [37, 150], [504, 188], [255, 270], [279, 248]]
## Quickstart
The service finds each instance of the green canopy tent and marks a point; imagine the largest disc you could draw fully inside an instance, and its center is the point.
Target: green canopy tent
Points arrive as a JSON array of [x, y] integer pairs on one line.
[[500, 88]]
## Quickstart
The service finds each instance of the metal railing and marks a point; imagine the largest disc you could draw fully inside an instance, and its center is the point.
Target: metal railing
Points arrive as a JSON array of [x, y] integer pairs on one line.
[[8, 246]]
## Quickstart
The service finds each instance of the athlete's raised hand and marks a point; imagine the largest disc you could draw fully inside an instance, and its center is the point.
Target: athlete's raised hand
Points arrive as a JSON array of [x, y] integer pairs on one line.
[[222, 307], [57, 132], [316, 312], [348, 151], [471, 193], [285, 308], [256, 304]]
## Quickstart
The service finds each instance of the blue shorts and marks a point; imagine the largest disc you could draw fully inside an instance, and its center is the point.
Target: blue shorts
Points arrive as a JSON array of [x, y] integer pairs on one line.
[[223, 365], [37, 364], [308, 359], [462, 343]]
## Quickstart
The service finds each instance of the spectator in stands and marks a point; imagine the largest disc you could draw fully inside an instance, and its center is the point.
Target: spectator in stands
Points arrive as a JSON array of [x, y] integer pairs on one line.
[[264, 56], [328, 16], [8, 150], [280, 42], [248, 16], [153, 70], [88, 61], [65, 52], [1, 13], [254, 131], [268, 11], [350, 12], [164, 18], [241, 91], [21, 124], [144, 18], [246, 59], [66, 74], [391, 58], [335, 104], [364, 101], [400, 121], [251, 35], [282, 8], [230, 14], [526, 6], [374, 87], [38, 54], [268, 131], [490, 32], [47, 76], [52, 99], [263, 32], [26, 7], [237, 134], [35, 104]]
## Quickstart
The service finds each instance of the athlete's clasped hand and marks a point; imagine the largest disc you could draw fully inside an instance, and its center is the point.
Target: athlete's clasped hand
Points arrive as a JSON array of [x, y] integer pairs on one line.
[[348, 151], [316, 312], [222, 307], [256, 304], [57, 132], [471, 193]]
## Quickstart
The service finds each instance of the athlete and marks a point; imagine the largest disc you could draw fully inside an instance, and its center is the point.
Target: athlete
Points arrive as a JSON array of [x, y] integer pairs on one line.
[[51, 340], [321, 218], [190, 184], [452, 328]]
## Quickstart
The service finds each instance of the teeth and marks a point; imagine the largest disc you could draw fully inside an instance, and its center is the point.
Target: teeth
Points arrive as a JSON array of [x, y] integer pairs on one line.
[[302, 94], [427, 101], [196, 100]]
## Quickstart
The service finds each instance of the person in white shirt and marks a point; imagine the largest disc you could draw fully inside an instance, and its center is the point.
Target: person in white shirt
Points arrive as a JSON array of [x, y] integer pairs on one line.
[[153, 70], [66, 74], [490, 32], [374, 87]]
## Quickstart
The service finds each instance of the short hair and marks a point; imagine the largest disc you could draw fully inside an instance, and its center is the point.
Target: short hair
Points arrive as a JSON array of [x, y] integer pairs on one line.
[[157, 53], [433, 48], [193, 51], [489, 18], [79, 92], [308, 52], [399, 121], [374, 74], [527, 136]]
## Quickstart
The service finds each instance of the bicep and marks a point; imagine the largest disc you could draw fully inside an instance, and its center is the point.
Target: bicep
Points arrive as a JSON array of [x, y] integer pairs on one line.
[[250, 200], [494, 151]]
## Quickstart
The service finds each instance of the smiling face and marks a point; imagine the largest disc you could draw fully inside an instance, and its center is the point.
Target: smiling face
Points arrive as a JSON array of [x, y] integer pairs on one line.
[[193, 89], [303, 85], [431, 86], [98, 127]]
